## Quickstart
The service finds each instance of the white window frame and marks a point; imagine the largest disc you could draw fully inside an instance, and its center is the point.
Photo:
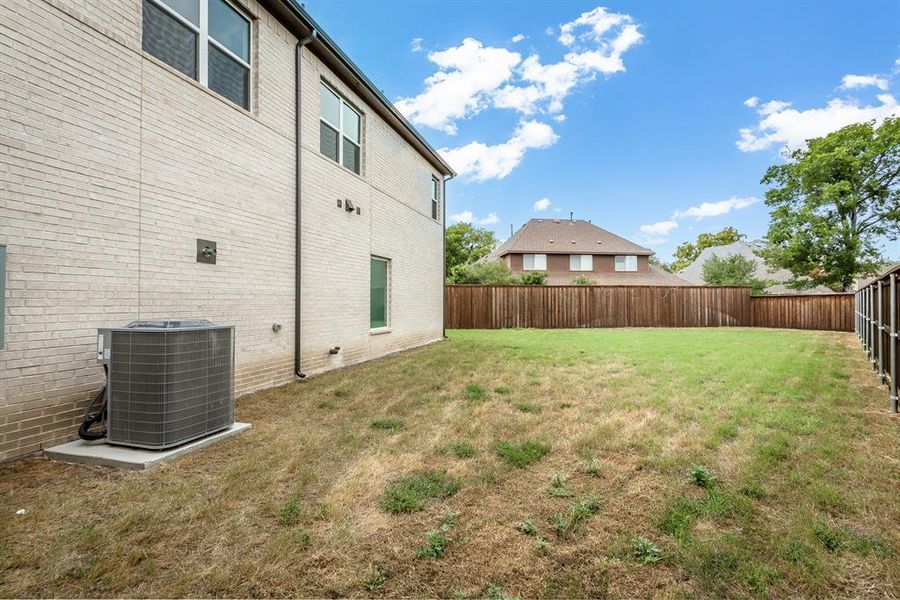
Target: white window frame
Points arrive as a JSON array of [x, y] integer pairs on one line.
[[340, 129], [629, 263], [538, 262], [204, 39], [435, 198], [580, 266]]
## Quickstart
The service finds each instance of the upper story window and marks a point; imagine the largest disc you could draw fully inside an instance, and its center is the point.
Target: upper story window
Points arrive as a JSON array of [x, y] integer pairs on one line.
[[626, 263], [534, 262], [435, 198], [581, 262], [207, 40], [339, 132]]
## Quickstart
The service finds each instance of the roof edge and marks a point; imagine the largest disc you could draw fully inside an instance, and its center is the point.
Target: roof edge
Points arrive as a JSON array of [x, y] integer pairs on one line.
[[290, 13]]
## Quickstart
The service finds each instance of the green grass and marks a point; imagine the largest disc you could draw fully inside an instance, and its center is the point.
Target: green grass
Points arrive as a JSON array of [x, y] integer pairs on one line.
[[415, 492], [797, 496], [524, 454], [392, 425]]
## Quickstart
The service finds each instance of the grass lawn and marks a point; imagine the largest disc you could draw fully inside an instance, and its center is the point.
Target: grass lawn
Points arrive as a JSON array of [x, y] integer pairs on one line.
[[669, 463]]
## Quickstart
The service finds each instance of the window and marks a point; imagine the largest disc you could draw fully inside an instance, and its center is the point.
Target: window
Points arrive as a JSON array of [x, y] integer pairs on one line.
[[581, 262], [2, 294], [338, 129], [207, 40], [378, 289], [435, 198], [626, 263], [534, 262]]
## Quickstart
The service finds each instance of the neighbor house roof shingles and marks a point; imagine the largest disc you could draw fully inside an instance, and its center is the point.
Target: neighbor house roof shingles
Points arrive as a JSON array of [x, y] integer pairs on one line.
[[565, 236]]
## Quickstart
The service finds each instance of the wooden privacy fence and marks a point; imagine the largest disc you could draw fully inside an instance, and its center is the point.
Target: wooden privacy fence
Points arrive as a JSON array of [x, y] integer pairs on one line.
[[573, 306], [876, 327]]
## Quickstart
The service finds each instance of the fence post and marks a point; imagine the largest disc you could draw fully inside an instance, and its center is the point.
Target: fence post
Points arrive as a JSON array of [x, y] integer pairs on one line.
[[893, 342], [880, 330], [865, 309]]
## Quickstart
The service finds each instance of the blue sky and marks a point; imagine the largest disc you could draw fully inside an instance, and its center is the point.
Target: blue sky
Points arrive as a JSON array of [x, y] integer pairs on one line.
[[628, 114]]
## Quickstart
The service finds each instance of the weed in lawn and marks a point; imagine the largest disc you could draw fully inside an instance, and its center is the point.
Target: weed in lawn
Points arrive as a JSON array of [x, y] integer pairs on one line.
[[503, 390], [543, 546], [436, 541], [527, 527], [325, 404], [292, 512], [473, 391], [341, 393], [565, 405], [462, 449], [701, 477], [592, 467], [679, 519], [838, 540], [415, 492], [375, 580], [645, 551], [528, 407], [570, 522], [391, 425], [522, 455], [495, 592], [558, 487]]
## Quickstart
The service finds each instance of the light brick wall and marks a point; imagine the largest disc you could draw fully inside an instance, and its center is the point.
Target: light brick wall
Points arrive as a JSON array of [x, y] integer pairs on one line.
[[113, 164]]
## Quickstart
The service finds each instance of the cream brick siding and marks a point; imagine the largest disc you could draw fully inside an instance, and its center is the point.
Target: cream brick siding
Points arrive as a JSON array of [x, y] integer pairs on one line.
[[112, 165]]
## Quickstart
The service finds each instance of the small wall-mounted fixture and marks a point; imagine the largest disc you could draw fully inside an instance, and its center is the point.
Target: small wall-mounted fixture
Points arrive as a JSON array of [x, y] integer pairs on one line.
[[348, 206], [276, 327], [206, 252], [334, 350]]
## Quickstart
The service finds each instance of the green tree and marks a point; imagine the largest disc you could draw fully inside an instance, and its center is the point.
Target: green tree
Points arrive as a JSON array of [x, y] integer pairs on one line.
[[533, 278], [658, 263], [583, 280], [466, 244], [687, 252], [733, 270], [833, 202], [483, 273]]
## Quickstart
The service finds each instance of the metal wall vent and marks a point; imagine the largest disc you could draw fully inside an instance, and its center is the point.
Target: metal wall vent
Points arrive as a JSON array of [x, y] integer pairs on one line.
[[169, 381]]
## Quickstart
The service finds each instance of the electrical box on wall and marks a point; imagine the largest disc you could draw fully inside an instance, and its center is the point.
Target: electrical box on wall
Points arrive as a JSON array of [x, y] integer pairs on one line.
[[206, 252]]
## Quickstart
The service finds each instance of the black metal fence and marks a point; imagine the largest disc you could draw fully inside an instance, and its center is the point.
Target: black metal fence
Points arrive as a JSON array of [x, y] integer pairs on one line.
[[876, 328]]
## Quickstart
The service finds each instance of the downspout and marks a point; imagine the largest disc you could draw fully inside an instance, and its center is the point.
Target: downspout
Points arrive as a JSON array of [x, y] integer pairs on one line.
[[444, 257], [297, 211]]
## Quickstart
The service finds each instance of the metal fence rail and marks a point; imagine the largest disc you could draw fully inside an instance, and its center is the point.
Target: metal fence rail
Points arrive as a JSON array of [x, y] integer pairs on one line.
[[876, 328]]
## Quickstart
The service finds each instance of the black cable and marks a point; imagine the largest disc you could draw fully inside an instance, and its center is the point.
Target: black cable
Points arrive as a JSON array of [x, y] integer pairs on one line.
[[90, 417]]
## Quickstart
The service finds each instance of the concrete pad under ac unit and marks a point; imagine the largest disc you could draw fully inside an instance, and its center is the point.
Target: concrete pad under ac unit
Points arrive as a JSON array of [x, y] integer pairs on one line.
[[100, 453]]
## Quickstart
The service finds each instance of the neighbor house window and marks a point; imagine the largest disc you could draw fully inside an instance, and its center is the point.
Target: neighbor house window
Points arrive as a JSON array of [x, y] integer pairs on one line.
[[338, 129], [534, 262], [581, 262], [207, 40], [626, 263], [435, 198], [378, 293]]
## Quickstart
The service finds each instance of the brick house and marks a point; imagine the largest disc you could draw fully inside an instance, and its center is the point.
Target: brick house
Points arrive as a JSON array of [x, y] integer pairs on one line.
[[220, 159], [567, 248]]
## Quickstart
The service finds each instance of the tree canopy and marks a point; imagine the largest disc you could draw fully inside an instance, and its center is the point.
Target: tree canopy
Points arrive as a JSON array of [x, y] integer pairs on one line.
[[733, 270], [483, 273], [833, 202], [466, 244], [687, 252]]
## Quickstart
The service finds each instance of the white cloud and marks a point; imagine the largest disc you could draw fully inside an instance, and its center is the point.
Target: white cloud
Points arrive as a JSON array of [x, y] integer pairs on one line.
[[472, 77], [541, 205], [467, 216], [416, 44], [479, 162], [517, 38], [850, 82], [714, 209], [659, 228], [467, 74], [789, 128], [560, 118]]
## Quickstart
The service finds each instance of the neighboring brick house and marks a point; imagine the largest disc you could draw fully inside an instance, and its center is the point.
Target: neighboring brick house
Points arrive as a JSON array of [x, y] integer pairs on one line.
[[567, 248], [134, 133]]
